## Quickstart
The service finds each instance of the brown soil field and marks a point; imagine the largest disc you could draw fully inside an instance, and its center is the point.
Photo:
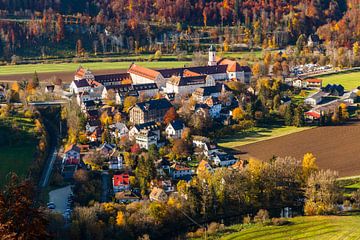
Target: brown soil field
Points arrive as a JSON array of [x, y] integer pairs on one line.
[[335, 147], [67, 77]]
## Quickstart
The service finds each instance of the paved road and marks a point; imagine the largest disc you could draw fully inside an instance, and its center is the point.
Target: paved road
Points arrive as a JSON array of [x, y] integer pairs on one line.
[[105, 177], [44, 180]]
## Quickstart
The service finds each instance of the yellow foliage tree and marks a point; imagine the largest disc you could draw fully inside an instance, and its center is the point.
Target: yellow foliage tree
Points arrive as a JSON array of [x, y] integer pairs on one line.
[[15, 87], [238, 114], [120, 218], [309, 164], [129, 102]]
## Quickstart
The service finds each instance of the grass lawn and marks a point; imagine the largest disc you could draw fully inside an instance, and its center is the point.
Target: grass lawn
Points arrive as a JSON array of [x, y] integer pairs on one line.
[[18, 156], [348, 80], [258, 134], [16, 159], [318, 227], [71, 67]]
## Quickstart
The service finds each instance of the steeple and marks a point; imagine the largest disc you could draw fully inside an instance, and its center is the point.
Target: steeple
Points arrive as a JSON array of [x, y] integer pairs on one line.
[[212, 56]]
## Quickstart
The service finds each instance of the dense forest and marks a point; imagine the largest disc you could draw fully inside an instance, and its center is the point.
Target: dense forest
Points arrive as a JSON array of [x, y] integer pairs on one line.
[[94, 26]]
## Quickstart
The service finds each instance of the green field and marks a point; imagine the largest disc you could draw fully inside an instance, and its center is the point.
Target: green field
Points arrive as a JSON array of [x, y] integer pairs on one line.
[[71, 67], [349, 80], [258, 134], [18, 156], [317, 228]]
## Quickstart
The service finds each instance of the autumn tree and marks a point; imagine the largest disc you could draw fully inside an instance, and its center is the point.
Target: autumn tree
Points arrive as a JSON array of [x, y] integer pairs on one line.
[[170, 115], [19, 216], [309, 164], [238, 114], [322, 193], [129, 102]]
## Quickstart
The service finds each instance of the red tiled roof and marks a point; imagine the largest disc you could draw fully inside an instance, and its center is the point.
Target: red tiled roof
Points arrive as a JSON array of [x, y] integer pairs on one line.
[[313, 114], [188, 73], [122, 179], [314, 80], [232, 66], [80, 73], [144, 72]]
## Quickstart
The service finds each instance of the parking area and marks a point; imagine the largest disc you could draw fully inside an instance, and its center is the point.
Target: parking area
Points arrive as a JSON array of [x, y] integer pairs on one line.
[[60, 198]]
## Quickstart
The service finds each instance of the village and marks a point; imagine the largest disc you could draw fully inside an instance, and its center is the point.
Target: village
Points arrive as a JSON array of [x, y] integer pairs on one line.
[[165, 118]]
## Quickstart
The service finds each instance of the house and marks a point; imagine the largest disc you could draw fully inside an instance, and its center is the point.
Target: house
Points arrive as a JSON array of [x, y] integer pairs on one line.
[[113, 79], [126, 197], [92, 125], [158, 195], [313, 40], [141, 75], [315, 98], [178, 171], [116, 161], [79, 86], [202, 93], [107, 149], [71, 155], [313, 83], [185, 85], [82, 73], [95, 135], [235, 71], [49, 88], [149, 126], [214, 106], [146, 138], [121, 182], [153, 110], [88, 105], [222, 159], [175, 129], [119, 130], [205, 145], [312, 115]]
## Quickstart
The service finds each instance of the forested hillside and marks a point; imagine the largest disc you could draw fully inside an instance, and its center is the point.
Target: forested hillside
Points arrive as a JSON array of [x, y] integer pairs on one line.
[[64, 27]]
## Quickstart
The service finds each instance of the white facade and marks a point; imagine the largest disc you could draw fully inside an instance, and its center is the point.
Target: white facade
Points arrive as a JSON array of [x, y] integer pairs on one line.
[[145, 140], [119, 130]]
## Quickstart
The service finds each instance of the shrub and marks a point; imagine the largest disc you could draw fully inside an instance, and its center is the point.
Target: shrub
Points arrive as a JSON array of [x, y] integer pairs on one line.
[[214, 227], [247, 220], [262, 216], [280, 222]]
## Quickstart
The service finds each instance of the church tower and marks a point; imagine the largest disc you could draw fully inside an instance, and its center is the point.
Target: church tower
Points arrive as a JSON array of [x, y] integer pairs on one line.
[[212, 56]]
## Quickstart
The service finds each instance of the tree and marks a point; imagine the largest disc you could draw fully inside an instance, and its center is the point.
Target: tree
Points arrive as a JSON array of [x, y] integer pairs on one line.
[[19, 218], [356, 48], [170, 115], [129, 102], [238, 114], [120, 219], [309, 164], [35, 80], [343, 112], [322, 193], [289, 115], [180, 149], [157, 55], [299, 118]]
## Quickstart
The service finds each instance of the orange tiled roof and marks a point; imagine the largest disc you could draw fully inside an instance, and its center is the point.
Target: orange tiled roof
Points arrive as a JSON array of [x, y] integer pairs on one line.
[[144, 72], [80, 73], [232, 66], [188, 73], [314, 80]]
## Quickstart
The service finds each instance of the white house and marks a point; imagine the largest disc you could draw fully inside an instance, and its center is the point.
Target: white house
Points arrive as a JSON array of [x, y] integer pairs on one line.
[[222, 159], [149, 126], [119, 130], [315, 98], [71, 155], [180, 172], [146, 138], [78, 86], [141, 75], [116, 161], [175, 129], [185, 85]]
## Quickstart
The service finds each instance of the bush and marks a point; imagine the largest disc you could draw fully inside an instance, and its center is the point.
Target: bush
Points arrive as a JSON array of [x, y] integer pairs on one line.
[[280, 222], [247, 220], [262, 216], [214, 227]]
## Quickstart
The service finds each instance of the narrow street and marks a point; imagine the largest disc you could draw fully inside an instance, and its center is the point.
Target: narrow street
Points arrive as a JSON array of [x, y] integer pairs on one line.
[[105, 178]]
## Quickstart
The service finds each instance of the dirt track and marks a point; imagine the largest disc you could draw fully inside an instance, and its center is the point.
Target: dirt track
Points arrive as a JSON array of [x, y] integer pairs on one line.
[[336, 148], [67, 77]]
